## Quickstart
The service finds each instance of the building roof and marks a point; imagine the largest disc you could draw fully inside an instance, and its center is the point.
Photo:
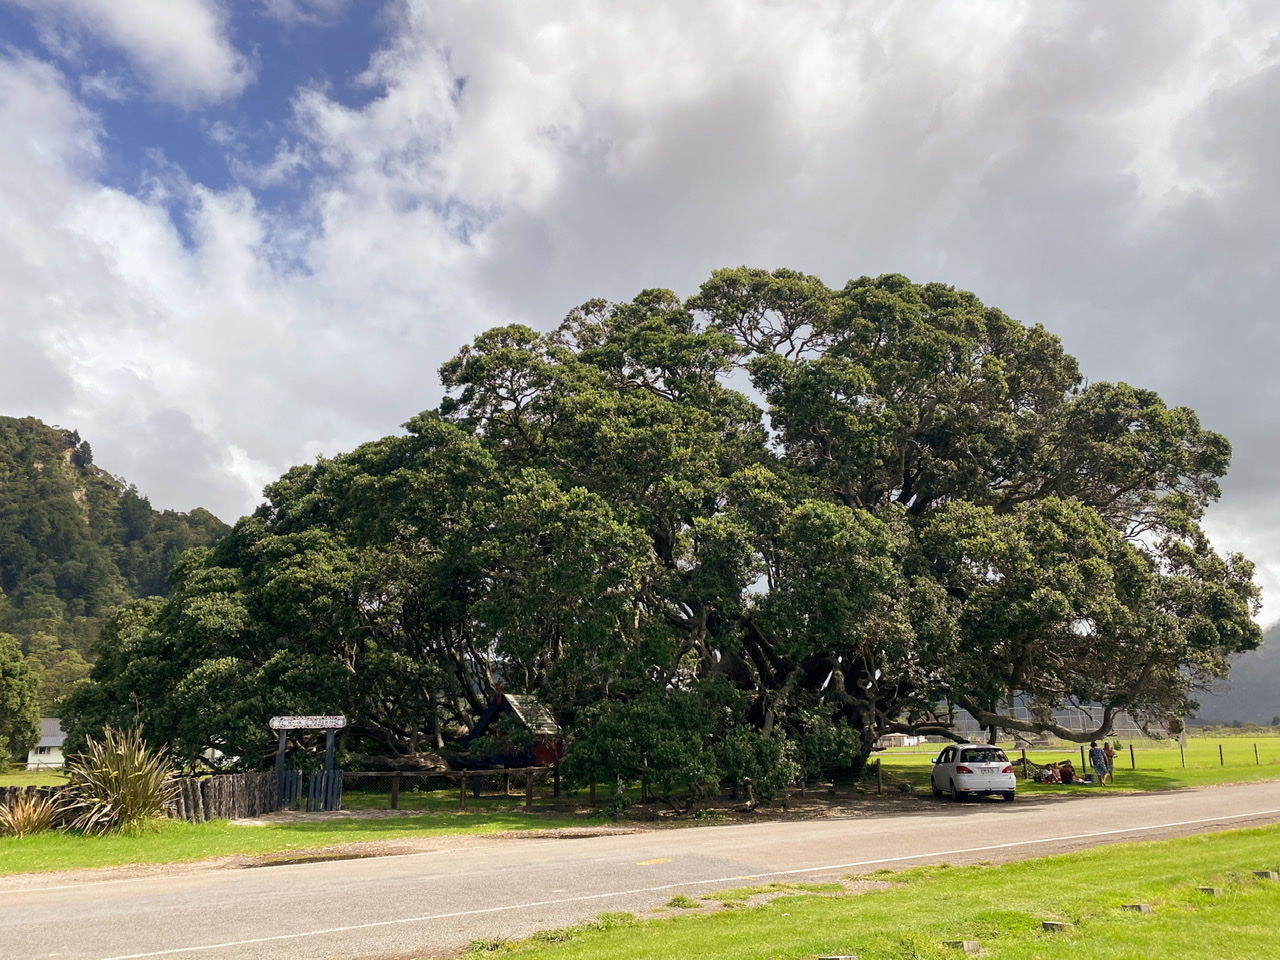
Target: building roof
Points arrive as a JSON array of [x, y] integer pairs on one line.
[[51, 734], [533, 714]]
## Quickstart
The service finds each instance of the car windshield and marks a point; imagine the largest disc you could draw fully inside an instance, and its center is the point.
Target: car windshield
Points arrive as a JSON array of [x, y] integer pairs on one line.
[[986, 755]]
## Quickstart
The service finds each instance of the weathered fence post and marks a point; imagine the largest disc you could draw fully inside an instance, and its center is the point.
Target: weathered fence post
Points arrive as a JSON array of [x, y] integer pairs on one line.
[[1256, 759], [528, 791], [1222, 762], [281, 743], [1133, 764], [395, 790]]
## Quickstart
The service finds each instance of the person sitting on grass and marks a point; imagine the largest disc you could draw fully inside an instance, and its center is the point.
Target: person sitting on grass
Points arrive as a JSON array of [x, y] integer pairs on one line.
[[1050, 774], [1068, 772]]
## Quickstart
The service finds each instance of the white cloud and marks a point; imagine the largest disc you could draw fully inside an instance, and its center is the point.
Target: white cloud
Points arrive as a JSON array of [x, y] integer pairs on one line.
[[180, 46], [1103, 169], [197, 366], [305, 11], [105, 86]]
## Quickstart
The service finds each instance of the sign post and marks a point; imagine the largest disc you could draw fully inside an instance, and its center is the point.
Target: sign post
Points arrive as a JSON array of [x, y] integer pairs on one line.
[[329, 725]]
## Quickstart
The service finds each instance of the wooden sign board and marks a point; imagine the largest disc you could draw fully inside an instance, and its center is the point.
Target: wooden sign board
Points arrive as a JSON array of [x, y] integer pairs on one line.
[[307, 723]]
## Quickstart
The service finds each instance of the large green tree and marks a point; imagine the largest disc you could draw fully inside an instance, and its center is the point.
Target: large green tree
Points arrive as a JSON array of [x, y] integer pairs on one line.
[[19, 702], [918, 505]]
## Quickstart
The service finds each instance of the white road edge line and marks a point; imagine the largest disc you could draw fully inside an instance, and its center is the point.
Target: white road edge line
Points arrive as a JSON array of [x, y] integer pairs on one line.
[[685, 883]]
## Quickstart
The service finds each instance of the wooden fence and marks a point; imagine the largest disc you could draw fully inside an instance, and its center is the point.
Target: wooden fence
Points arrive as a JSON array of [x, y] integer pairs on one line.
[[9, 794], [469, 780], [224, 796]]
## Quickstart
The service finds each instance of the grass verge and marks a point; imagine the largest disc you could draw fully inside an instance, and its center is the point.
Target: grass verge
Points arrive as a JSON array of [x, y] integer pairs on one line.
[[177, 842], [1000, 906]]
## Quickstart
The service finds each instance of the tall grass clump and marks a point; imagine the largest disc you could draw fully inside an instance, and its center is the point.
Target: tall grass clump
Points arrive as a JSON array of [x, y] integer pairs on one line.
[[27, 813], [118, 783]]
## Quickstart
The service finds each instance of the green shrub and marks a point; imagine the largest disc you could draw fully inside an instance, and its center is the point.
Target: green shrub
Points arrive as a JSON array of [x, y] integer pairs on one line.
[[27, 813], [118, 784]]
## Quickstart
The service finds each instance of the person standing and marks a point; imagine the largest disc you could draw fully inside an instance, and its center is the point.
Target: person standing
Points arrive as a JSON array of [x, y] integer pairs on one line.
[[1098, 760], [1109, 752]]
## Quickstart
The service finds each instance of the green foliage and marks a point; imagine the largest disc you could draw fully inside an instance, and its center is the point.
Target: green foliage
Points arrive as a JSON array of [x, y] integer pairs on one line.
[[504, 737], [19, 702], [827, 743], [767, 760], [661, 739], [118, 784], [933, 509]]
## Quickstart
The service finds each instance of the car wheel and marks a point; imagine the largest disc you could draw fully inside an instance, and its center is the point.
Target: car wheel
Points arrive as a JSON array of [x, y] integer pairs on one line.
[[956, 795], [936, 791], [1010, 796]]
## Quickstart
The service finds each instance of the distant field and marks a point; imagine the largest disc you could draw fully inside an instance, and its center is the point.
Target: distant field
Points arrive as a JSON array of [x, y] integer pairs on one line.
[[23, 778], [1154, 764]]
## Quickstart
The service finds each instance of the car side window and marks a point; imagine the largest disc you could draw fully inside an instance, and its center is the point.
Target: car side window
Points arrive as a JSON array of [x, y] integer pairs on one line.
[[947, 754]]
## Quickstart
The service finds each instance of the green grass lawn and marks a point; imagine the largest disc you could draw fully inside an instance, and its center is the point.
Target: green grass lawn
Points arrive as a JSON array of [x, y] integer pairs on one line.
[[23, 778], [175, 841], [1000, 906]]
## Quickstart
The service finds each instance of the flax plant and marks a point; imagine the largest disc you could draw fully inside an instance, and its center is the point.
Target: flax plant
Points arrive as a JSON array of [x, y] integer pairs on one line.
[[118, 784], [27, 813]]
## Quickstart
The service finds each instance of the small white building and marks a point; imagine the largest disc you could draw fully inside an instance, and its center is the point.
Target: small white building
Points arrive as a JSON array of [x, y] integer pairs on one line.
[[47, 754], [898, 740]]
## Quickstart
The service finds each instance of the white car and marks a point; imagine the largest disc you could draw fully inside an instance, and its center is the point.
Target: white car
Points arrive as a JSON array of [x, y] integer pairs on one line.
[[968, 769]]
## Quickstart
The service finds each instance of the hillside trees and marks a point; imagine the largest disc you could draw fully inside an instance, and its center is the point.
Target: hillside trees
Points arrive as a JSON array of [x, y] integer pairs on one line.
[[75, 542], [19, 702], [931, 510]]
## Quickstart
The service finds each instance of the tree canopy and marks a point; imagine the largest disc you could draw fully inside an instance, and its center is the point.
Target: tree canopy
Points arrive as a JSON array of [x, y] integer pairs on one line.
[[19, 702], [782, 518]]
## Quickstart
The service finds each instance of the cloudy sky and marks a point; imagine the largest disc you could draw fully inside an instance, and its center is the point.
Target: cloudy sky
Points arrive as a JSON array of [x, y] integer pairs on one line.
[[235, 234]]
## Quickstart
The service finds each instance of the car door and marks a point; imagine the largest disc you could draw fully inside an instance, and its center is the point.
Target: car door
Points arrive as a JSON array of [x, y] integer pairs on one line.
[[942, 769]]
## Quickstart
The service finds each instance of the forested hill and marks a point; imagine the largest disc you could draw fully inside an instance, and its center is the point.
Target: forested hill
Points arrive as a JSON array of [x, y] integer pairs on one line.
[[75, 542]]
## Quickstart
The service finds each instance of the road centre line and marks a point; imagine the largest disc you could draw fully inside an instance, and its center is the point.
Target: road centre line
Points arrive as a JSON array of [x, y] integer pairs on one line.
[[685, 883]]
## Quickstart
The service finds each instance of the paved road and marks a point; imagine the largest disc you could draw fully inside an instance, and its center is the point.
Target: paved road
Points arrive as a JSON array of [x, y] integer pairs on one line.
[[434, 903]]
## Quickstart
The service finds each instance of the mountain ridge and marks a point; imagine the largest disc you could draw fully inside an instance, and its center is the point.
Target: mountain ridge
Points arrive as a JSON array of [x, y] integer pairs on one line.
[[1253, 689]]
